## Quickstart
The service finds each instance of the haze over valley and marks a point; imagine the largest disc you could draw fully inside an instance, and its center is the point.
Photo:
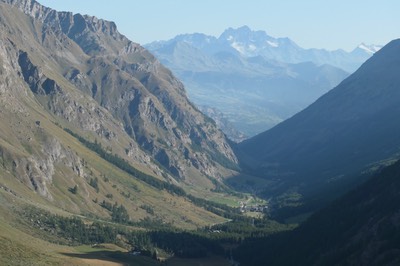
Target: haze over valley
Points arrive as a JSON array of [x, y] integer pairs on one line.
[[254, 80]]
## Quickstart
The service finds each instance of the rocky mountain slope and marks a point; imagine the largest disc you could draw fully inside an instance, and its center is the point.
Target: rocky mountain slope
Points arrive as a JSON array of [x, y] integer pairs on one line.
[[127, 82], [89, 118], [360, 228], [344, 132], [254, 91]]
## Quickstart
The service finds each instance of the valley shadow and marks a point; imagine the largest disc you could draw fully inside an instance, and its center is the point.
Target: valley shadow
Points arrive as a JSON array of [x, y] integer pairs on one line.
[[117, 257], [208, 261], [126, 259], [249, 183], [291, 201]]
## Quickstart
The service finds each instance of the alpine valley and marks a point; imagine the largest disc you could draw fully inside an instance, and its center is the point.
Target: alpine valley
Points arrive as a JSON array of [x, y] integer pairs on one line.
[[249, 81], [105, 161], [93, 125]]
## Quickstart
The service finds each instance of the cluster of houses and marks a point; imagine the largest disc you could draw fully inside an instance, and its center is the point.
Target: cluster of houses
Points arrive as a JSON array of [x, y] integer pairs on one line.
[[252, 208]]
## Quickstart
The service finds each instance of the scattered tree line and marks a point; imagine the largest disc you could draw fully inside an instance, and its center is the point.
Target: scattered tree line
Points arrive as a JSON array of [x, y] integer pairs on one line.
[[71, 230], [75, 231], [119, 214], [185, 244], [125, 166], [216, 208]]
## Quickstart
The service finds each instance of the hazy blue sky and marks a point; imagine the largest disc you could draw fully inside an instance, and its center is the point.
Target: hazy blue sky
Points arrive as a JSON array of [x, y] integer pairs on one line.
[[329, 24]]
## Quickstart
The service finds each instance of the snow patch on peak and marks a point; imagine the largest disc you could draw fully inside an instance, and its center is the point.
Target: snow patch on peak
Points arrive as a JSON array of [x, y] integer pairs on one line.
[[252, 47], [370, 48], [239, 47], [244, 49], [230, 38], [272, 44]]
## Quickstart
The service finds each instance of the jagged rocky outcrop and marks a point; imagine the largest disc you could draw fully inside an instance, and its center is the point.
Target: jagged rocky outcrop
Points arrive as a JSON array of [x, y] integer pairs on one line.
[[38, 169]]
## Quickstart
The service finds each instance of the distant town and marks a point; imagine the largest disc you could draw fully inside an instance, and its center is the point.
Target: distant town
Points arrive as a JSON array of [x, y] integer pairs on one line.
[[252, 208]]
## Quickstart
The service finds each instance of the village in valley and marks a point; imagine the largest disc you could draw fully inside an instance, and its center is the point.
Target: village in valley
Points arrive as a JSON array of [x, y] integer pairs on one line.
[[244, 207]]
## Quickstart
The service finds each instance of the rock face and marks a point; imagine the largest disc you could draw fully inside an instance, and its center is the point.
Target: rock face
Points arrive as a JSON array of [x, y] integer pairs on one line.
[[37, 170], [83, 70], [223, 124]]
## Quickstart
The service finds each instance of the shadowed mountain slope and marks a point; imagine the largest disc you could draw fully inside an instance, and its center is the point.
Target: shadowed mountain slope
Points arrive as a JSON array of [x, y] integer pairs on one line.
[[345, 131], [360, 228]]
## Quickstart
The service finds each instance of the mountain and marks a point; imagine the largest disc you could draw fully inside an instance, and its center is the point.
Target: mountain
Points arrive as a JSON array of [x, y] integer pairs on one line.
[[348, 130], [90, 119], [98, 144], [360, 228], [254, 90], [128, 82]]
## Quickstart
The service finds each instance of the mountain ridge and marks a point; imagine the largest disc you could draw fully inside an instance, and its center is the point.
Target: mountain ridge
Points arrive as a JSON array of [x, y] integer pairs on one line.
[[250, 43]]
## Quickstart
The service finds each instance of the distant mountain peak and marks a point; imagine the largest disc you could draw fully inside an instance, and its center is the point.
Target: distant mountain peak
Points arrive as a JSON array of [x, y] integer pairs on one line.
[[246, 42], [243, 29], [244, 33]]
